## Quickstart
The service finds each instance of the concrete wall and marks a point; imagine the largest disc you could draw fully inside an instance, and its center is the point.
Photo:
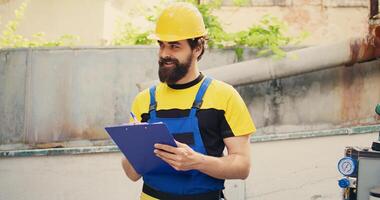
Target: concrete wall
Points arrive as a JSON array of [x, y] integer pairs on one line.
[[13, 83], [94, 21], [332, 98], [57, 95], [51, 95], [282, 170]]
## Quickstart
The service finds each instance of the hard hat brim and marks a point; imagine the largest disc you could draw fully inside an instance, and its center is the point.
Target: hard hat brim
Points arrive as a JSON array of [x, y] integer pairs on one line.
[[172, 38]]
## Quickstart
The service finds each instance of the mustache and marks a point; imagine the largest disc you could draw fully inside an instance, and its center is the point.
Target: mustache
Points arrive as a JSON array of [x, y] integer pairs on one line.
[[162, 60]]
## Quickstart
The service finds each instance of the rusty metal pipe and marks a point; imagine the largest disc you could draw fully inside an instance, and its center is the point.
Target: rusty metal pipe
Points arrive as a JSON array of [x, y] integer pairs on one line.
[[366, 49]]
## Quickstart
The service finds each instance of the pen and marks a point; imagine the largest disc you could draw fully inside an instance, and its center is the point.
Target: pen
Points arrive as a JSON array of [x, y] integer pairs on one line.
[[134, 117]]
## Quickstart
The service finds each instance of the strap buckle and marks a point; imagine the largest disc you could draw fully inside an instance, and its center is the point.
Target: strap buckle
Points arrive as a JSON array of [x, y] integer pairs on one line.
[[152, 107], [197, 105]]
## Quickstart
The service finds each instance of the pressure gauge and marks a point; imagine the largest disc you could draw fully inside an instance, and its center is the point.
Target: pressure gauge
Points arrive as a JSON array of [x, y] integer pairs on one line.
[[347, 166]]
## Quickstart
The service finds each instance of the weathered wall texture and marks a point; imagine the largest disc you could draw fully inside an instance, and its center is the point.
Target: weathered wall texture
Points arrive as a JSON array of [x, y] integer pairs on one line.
[[55, 95], [13, 83], [71, 94], [94, 21], [332, 98]]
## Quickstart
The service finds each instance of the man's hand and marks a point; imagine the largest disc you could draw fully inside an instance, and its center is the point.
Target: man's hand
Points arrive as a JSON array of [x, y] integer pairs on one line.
[[181, 158], [235, 165], [129, 170]]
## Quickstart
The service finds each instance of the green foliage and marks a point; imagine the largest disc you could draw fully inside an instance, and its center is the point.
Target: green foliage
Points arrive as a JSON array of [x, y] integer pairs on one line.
[[217, 36], [10, 39], [127, 34], [268, 36]]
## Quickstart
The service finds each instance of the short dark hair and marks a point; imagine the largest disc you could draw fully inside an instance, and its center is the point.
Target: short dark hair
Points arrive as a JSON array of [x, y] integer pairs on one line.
[[196, 42]]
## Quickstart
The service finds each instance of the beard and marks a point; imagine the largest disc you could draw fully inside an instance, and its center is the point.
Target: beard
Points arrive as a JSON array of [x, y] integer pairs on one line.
[[171, 75]]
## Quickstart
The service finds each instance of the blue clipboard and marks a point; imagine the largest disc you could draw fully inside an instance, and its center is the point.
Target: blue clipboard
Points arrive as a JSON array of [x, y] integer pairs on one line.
[[136, 142]]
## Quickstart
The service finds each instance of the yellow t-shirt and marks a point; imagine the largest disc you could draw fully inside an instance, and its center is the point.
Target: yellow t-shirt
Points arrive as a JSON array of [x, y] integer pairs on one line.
[[223, 112]]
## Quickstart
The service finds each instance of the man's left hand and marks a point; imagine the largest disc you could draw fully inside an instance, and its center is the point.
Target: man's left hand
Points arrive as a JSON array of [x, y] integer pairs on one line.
[[181, 158]]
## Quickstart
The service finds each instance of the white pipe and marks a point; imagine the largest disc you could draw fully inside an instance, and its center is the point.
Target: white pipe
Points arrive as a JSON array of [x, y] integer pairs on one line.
[[296, 62]]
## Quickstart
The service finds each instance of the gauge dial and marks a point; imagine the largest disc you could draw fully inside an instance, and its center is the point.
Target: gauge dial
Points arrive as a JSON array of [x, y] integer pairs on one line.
[[346, 166]]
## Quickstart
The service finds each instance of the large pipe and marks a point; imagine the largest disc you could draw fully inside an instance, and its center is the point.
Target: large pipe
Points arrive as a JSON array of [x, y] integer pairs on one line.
[[301, 61]]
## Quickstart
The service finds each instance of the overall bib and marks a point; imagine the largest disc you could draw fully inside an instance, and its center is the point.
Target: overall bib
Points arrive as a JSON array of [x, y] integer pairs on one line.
[[167, 180]]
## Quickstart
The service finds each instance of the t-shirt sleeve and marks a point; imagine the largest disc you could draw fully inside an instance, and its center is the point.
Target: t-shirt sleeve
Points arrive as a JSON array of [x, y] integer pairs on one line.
[[237, 118], [135, 110], [140, 105]]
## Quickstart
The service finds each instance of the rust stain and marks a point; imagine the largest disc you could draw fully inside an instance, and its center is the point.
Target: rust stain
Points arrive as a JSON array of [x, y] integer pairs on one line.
[[376, 41], [355, 46], [91, 133], [368, 48], [351, 98], [87, 134], [94, 133], [67, 132], [48, 145], [362, 50]]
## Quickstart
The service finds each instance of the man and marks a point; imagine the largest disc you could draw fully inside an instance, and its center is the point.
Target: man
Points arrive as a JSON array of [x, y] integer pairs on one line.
[[204, 116]]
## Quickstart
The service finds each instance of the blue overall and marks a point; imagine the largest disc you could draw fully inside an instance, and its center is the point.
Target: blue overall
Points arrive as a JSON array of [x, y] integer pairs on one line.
[[167, 179]]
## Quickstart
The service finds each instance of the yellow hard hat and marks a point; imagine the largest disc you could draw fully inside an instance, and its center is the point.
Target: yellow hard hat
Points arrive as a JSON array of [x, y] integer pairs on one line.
[[179, 21]]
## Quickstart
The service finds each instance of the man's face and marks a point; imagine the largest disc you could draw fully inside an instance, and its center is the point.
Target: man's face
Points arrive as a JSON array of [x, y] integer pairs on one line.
[[175, 59]]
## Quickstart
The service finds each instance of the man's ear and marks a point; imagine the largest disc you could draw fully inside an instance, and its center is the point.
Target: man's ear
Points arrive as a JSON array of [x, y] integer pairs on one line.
[[198, 49], [201, 44]]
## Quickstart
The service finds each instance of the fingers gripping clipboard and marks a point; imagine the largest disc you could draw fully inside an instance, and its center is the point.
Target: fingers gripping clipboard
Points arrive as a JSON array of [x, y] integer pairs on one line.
[[136, 142]]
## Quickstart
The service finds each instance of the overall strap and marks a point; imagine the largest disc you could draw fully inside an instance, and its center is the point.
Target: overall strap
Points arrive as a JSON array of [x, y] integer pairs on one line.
[[153, 103], [199, 97]]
